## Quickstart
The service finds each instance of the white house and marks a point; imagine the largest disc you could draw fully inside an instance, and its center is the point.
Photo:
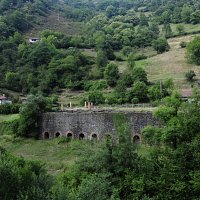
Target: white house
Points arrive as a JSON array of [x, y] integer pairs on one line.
[[4, 100], [33, 40]]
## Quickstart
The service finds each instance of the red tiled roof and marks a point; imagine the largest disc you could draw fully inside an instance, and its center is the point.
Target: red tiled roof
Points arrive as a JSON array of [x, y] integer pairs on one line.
[[3, 97]]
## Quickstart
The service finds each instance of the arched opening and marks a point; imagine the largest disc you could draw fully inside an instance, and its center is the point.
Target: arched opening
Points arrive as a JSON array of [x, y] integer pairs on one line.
[[94, 137], [69, 135], [136, 139], [46, 135], [57, 134], [81, 136]]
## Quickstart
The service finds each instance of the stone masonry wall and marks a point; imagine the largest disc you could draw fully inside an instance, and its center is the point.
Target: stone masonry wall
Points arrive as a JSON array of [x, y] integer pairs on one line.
[[89, 124]]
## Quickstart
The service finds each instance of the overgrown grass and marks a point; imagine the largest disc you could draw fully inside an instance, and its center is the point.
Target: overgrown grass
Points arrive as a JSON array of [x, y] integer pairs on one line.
[[6, 118], [188, 28], [57, 157]]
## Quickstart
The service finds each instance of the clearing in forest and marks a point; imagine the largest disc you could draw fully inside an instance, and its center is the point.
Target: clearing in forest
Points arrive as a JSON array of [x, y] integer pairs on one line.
[[171, 64]]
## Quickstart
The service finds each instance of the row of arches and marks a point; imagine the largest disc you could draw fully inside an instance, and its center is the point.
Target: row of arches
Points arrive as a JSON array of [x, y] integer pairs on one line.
[[69, 134], [81, 136]]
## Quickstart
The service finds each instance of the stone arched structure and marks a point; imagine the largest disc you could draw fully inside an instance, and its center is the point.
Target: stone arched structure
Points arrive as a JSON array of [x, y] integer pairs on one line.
[[81, 136], [81, 124], [57, 134], [69, 134], [46, 135], [94, 137], [136, 139]]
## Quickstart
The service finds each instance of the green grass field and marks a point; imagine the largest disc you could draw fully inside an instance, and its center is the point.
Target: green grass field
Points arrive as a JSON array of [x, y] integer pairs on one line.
[[11, 117], [56, 157], [188, 28]]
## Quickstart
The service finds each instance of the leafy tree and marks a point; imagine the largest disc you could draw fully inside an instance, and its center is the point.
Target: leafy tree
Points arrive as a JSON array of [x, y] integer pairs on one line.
[[127, 78], [131, 61], [160, 90], [95, 187], [139, 91], [195, 17], [42, 53], [101, 59], [186, 13], [180, 28], [167, 31], [111, 74], [161, 45], [30, 113], [22, 179], [193, 51], [120, 91], [110, 11], [143, 20], [139, 74], [165, 17], [96, 97]]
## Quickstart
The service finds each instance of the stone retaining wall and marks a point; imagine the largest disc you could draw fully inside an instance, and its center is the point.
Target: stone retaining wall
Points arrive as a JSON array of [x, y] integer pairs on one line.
[[93, 124]]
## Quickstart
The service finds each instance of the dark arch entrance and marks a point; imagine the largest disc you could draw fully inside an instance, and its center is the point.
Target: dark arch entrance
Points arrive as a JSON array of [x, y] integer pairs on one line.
[[46, 135], [81, 136], [69, 135], [57, 134], [136, 139], [94, 137]]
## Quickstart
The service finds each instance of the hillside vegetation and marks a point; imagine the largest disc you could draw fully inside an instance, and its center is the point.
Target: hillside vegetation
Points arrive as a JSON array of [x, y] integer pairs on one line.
[[128, 55]]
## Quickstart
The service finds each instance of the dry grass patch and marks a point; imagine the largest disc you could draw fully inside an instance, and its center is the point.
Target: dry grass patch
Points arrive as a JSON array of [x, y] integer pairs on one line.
[[171, 64]]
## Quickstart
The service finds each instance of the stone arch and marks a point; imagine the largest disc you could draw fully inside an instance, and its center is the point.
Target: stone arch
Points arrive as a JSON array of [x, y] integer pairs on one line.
[[94, 137], [57, 134], [136, 139], [69, 134], [81, 136], [46, 135]]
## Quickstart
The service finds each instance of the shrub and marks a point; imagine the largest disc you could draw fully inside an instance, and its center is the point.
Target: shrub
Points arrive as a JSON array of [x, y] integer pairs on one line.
[[193, 51], [95, 85], [139, 57], [9, 127], [183, 44], [111, 100], [9, 108], [96, 97], [190, 75], [160, 45], [111, 74]]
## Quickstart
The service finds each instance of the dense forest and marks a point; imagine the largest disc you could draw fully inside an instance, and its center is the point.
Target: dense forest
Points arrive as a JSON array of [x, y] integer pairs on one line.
[[113, 32]]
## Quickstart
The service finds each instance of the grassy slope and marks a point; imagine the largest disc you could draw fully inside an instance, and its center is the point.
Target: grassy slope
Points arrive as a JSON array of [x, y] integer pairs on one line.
[[11, 117], [171, 64], [56, 157], [51, 23], [188, 28]]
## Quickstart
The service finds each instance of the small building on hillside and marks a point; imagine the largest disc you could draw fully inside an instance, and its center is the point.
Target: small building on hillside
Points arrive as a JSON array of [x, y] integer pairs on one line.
[[186, 94], [4, 100], [33, 40]]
